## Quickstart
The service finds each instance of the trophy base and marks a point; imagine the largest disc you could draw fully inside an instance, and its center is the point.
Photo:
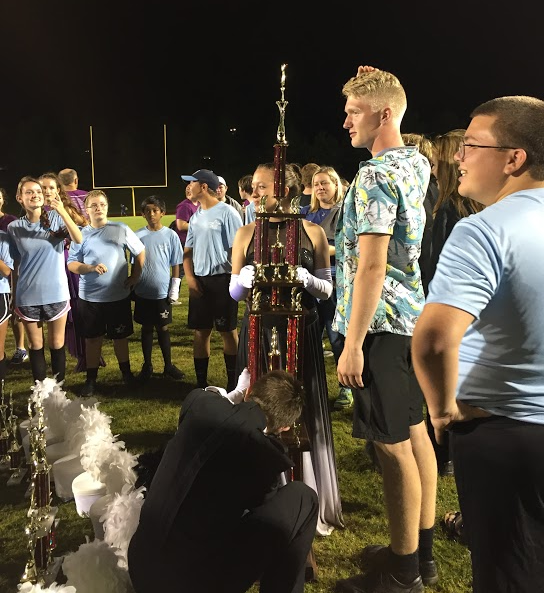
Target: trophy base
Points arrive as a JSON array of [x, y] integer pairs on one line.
[[16, 477]]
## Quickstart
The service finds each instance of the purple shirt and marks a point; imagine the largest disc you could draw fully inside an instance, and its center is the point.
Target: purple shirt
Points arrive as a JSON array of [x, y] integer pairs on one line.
[[5, 220], [78, 200], [184, 211]]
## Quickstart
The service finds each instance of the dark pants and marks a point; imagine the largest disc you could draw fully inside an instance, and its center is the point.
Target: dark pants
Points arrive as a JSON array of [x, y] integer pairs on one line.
[[499, 472], [269, 544], [325, 310]]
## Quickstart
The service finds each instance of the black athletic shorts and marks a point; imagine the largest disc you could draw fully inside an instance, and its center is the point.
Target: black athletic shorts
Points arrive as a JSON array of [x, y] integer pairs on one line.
[[391, 400], [113, 319], [157, 312], [5, 306], [215, 308]]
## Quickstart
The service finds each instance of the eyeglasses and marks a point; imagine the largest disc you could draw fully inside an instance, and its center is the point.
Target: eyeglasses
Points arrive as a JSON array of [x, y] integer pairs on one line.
[[95, 207], [462, 146]]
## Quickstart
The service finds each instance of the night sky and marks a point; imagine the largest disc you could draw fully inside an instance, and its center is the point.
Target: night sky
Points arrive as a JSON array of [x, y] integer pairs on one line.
[[205, 68]]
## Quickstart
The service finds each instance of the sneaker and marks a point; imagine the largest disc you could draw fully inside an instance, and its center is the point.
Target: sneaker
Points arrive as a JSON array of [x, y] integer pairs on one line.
[[378, 582], [173, 372], [146, 373], [376, 558], [20, 356], [89, 388], [344, 399]]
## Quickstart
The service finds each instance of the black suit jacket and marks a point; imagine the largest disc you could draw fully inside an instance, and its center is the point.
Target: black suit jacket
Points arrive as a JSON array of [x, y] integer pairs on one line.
[[218, 464]]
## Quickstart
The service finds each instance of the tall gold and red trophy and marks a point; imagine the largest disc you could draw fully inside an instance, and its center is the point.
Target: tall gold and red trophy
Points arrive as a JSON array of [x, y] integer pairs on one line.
[[276, 274], [276, 266]]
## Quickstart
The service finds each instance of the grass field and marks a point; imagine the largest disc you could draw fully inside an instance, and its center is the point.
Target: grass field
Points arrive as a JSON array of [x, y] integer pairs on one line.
[[146, 418]]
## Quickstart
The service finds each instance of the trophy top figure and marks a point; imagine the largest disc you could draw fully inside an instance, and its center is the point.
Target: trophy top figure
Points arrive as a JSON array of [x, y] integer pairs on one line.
[[282, 104]]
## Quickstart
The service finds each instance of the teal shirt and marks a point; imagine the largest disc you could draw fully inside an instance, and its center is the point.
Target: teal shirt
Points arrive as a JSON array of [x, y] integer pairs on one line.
[[386, 197]]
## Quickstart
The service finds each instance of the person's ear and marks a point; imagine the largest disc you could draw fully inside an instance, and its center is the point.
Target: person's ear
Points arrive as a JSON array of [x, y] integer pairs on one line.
[[385, 115], [516, 161]]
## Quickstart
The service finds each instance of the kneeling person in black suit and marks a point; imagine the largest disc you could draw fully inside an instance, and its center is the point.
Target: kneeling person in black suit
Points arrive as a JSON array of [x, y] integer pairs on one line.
[[215, 517]]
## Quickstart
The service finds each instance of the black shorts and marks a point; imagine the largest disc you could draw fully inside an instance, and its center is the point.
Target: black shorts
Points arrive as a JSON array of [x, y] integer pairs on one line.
[[113, 319], [157, 312], [5, 306], [391, 400], [215, 308], [48, 312]]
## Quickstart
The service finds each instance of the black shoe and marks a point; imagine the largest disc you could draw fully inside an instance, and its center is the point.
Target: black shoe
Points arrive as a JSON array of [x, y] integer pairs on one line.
[[129, 379], [89, 388], [146, 373], [173, 372], [378, 582], [376, 558]]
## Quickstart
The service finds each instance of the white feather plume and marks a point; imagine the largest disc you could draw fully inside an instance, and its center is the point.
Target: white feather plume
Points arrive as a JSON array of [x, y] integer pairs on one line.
[[95, 568], [37, 588], [121, 518]]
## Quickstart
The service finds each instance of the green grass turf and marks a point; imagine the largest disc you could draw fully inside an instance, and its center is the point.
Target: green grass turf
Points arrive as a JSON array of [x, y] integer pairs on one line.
[[145, 418]]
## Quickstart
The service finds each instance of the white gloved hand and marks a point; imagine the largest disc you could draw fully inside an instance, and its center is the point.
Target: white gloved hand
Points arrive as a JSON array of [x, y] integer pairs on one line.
[[173, 293], [320, 285], [246, 278], [240, 284], [303, 275], [241, 388]]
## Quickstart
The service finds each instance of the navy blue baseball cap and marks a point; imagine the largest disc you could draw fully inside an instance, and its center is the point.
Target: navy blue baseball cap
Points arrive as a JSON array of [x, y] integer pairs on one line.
[[204, 176]]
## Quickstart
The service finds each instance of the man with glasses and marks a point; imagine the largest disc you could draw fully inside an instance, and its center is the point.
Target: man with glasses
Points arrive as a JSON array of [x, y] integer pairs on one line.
[[478, 346], [104, 305], [380, 295]]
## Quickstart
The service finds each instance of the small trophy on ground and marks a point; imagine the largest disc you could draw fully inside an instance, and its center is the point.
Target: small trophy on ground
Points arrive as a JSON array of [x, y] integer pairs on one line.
[[15, 451], [4, 431], [40, 530]]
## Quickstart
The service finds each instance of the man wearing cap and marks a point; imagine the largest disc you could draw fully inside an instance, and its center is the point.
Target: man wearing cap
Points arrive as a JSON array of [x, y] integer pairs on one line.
[[223, 197], [207, 263]]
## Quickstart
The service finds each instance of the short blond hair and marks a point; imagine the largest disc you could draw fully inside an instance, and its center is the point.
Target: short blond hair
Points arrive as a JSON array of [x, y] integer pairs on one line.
[[382, 89]]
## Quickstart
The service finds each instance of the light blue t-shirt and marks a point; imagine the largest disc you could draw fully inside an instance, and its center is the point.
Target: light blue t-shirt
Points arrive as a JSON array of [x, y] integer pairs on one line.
[[386, 197], [162, 250], [108, 245], [5, 256], [490, 267], [42, 276], [210, 235], [249, 215]]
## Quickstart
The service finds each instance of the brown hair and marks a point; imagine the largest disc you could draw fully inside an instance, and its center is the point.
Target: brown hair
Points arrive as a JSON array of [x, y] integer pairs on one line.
[[44, 217], [447, 174], [280, 396], [73, 212]]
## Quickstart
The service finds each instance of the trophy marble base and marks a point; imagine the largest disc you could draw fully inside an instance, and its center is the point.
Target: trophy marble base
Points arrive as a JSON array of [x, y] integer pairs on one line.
[[16, 478], [50, 575]]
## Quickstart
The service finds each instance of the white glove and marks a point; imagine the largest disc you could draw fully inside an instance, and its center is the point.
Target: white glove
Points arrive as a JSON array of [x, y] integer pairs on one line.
[[240, 284], [247, 276], [303, 275], [320, 285], [173, 293], [241, 388]]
